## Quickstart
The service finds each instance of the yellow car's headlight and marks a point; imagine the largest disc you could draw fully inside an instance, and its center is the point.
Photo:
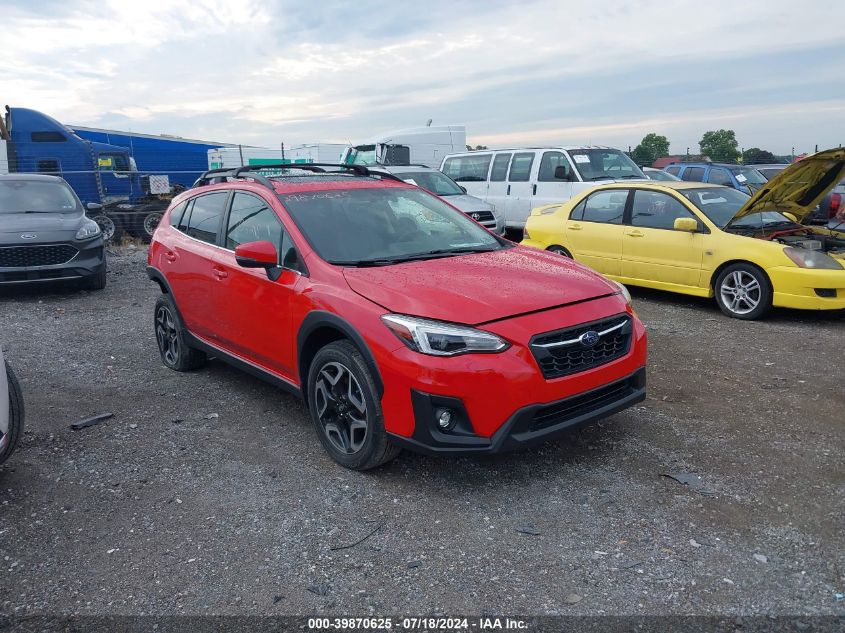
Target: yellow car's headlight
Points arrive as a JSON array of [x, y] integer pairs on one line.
[[811, 259]]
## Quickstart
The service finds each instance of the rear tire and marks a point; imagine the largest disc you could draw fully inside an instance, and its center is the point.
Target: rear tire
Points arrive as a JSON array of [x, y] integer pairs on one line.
[[559, 250], [16, 414], [176, 353], [109, 227], [743, 291], [345, 409]]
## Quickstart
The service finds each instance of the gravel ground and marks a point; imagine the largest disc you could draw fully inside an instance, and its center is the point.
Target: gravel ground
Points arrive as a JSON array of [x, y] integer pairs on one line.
[[208, 493]]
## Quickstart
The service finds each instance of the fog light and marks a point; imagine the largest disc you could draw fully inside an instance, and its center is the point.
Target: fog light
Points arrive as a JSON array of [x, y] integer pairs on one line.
[[445, 419]]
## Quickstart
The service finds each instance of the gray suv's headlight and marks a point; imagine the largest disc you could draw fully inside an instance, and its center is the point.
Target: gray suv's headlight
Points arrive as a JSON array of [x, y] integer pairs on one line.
[[88, 230], [438, 338]]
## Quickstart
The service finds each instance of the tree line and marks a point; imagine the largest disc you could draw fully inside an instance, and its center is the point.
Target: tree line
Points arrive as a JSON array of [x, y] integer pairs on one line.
[[720, 146]]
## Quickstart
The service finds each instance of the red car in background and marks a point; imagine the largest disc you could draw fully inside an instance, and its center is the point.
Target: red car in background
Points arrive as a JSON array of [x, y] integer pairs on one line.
[[398, 319]]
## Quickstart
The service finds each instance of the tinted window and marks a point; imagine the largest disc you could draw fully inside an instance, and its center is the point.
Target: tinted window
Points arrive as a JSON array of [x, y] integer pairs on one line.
[[469, 168], [673, 169], [252, 220], [48, 166], [521, 167], [19, 196], [183, 223], [47, 137], [719, 176], [548, 163], [500, 167], [204, 219], [694, 174], [376, 225], [606, 206], [113, 162], [176, 214], [657, 210], [578, 211]]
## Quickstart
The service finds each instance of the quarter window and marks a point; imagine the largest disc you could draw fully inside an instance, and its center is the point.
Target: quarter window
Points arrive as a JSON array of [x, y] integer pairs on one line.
[[176, 214], [521, 167], [548, 163], [656, 210], [693, 174], [500, 167], [606, 207], [204, 220], [719, 176], [468, 168], [252, 220]]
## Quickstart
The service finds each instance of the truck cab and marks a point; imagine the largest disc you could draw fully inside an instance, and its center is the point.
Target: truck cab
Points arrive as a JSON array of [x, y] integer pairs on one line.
[[414, 146]]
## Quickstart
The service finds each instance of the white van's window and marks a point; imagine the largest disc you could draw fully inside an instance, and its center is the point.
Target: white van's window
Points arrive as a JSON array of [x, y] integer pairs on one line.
[[605, 164], [548, 164], [500, 167], [469, 168], [521, 167]]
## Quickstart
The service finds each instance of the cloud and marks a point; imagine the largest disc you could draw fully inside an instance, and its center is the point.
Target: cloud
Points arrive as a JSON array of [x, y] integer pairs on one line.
[[263, 71]]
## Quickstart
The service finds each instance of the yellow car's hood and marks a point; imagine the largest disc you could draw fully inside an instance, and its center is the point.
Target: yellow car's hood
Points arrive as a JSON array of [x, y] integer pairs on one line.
[[799, 188]]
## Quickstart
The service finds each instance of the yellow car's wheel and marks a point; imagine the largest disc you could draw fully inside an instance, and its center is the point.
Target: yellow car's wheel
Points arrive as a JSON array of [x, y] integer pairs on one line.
[[743, 291], [559, 250]]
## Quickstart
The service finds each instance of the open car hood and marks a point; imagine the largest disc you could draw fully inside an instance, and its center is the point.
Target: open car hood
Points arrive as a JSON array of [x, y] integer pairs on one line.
[[799, 188]]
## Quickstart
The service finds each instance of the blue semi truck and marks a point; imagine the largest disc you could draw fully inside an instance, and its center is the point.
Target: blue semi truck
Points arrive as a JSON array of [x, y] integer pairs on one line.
[[124, 179]]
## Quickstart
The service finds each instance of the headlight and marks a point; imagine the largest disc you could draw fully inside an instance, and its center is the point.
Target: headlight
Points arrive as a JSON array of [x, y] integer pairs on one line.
[[624, 291], [811, 259], [88, 230], [437, 338]]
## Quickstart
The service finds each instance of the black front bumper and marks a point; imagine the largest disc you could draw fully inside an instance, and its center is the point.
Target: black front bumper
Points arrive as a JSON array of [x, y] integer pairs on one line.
[[88, 261], [526, 427]]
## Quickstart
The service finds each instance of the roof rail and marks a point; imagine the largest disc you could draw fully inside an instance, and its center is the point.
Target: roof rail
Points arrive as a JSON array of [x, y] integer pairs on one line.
[[219, 175]]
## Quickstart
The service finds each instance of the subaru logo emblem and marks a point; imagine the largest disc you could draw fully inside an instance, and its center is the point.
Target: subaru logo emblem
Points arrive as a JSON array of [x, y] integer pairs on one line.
[[28, 236], [589, 339], [476, 216]]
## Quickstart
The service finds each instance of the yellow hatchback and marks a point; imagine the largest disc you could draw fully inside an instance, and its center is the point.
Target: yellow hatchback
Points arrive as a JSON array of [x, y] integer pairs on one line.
[[750, 252]]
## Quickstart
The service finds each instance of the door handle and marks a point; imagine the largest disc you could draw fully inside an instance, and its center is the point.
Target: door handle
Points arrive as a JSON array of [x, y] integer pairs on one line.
[[509, 190], [534, 190], [170, 256], [574, 227], [219, 273], [635, 234]]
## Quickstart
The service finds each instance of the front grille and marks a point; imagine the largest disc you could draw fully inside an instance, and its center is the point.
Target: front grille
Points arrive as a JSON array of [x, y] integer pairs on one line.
[[25, 256], [482, 217], [562, 352], [583, 404]]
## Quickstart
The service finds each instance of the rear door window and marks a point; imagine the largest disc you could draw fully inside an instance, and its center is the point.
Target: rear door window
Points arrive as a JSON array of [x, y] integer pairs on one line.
[[500, 167], [606, 207], [206, 213], [468, 168], [521, 167]]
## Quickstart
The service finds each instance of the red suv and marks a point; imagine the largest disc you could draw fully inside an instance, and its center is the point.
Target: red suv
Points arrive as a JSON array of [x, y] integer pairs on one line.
[[399, 320]]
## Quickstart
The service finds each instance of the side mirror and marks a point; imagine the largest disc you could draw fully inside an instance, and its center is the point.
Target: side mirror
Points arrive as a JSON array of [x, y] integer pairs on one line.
[[791, 217], [94, 206], [561, 173], [257, 255], [689, 225]]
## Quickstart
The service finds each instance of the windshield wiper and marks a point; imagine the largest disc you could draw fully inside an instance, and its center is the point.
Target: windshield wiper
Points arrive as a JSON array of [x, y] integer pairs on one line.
[[457, 250], [387, 261], [600, 178]]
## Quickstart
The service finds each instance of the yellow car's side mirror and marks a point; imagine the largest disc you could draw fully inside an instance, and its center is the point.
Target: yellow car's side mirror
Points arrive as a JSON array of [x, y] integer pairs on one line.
[[791, 217], [690, 225]]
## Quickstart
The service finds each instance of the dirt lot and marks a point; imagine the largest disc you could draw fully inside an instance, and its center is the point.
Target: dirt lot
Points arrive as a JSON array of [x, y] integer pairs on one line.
[[209, 492]]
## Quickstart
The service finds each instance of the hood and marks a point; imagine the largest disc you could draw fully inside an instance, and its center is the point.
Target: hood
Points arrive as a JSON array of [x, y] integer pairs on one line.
[[47, 227], [468, 204], [481, 287], [799, 188]]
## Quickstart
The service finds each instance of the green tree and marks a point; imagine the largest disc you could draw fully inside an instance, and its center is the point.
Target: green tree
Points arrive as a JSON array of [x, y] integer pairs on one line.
[[720, 145], [652, 147], [757, 156]]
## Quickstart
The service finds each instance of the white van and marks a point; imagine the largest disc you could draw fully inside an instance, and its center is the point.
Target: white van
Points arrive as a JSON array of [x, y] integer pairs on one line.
[[517, 180]]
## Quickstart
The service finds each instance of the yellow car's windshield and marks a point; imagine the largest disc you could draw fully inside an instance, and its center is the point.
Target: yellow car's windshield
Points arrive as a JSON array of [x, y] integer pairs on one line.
[[720, 205]]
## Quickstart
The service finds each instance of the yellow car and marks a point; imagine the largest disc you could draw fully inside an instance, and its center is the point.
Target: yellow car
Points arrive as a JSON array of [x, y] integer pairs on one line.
[[750, 252]]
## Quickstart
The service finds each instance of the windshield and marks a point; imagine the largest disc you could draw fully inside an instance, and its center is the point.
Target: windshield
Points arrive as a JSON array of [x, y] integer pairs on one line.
[[721, 204], [383, 226], [433, 181], [362, 155], [36, 196], [604, 164], [770, 172], [749, 176], [659, 174]]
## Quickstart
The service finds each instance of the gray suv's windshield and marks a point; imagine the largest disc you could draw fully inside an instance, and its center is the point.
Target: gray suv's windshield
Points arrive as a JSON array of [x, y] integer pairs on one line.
[[35, 196], [433, 181], [378, 227], [604, 164]]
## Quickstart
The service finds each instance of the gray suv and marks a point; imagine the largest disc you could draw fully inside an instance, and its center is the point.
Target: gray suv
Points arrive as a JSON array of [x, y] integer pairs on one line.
[[441, 185]]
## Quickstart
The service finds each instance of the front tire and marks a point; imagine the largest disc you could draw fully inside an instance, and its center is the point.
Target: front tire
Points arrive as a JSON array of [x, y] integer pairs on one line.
[[97, 281], [175, 352], [16, 415], [743, 291], [345, 409]]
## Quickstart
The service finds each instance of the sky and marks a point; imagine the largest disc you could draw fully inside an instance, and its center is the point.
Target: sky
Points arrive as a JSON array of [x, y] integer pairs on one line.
[[542, 72]]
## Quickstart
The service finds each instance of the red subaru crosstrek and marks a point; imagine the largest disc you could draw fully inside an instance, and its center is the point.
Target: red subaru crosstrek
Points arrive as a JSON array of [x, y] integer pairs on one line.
[[399, 320]]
